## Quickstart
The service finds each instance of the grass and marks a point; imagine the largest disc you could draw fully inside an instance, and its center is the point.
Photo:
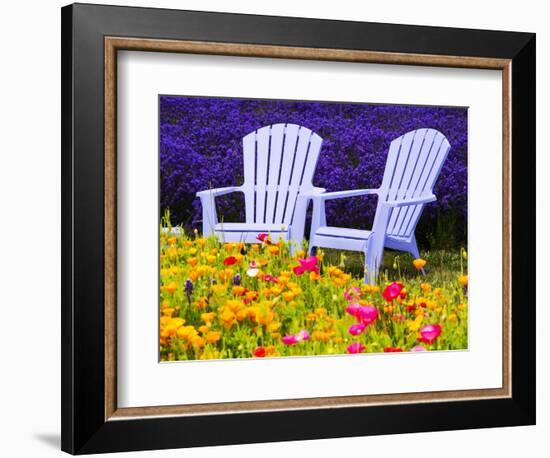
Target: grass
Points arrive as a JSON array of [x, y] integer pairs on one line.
[[441, 265]]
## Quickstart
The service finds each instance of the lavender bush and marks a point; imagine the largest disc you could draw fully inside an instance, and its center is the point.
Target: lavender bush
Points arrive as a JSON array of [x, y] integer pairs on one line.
[[200, 148]]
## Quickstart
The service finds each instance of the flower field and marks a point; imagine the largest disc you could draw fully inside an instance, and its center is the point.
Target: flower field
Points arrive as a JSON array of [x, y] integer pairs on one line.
[[239, 301]]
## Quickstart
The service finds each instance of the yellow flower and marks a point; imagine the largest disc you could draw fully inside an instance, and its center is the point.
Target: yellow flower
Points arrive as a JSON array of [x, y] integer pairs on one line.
[[201, 302], [172, 240], [366, 289], [419, 263], [225, 274], [321, 336], [415, 324], [314, 276], [452, 317], [211, 259], [288, 296], [463, 280], [168, 311], [238, 290], [187, 332], [274, 250], [165, 304], [437, 292], [208, 317], [431, 305], [192, 262], [213, 336], [197, 341], [426, 287], [262, 262], [234, 305], [228, 317], [171, 287], [252, 295], [311, 317], [321, 311], [203, 329], [218, 288]]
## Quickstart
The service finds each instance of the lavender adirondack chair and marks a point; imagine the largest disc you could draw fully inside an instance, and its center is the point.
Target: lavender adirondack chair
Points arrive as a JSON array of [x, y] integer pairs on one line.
[[279, 163], [412, 167]]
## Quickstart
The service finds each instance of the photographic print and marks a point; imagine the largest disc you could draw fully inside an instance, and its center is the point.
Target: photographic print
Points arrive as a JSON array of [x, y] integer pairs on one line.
[[310, 228]]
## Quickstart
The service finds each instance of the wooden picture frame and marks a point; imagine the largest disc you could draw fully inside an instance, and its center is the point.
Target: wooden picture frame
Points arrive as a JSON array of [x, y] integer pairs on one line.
[[91, 37]]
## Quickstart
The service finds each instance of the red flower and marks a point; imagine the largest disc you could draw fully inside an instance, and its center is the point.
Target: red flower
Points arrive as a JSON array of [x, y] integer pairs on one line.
[[229, 261], [392, 292], [392, 350], [411, 308], [264, 238], [270, 278], [260, 352]]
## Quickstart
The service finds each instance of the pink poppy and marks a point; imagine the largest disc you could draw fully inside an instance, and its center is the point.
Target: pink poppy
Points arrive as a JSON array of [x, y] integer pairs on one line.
[[392, 291], [367, 314], [270, 278], [356, 329], [429, 333], [264, 238], [294, 339], [355, 347], [290, 340], [353, 293], [418, 348], [353, 309], [309, 264], [303, 335]]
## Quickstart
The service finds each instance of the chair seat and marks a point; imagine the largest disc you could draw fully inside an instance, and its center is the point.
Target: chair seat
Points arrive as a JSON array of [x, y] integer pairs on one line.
[[247, 232], [340, 238], [343, 232]]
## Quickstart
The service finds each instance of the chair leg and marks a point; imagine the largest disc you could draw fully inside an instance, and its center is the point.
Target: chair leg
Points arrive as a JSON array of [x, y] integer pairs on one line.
[[414, 251]]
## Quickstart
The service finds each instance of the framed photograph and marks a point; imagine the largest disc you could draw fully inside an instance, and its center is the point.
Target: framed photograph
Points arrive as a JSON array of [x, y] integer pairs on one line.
[[275, 222]]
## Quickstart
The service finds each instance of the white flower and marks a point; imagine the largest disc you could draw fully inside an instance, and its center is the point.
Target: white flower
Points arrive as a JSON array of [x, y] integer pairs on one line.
[[252, 272]]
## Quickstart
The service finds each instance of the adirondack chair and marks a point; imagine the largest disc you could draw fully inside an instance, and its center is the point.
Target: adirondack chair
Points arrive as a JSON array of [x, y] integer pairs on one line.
[[279, 163], [412, 167]]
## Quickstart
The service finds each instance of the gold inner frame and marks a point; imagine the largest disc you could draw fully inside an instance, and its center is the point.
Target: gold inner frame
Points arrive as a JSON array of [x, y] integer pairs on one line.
[[114, 44]]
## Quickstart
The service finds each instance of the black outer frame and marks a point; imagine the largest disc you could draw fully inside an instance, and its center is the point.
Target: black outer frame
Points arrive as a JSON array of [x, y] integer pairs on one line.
[[84, 429]]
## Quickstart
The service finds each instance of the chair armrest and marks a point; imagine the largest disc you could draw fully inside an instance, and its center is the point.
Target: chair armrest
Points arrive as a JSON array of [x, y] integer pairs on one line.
[[412, 201], [344, 194], [218, 191], [311, 193]]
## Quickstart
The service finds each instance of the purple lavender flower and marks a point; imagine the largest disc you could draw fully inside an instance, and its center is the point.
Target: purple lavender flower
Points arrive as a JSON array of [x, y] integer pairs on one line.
[[201, 148], [237, 280], [188, 287]]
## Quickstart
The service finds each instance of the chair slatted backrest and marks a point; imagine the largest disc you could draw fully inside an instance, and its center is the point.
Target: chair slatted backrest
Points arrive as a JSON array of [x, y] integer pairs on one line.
[[413, 165], [279, 163]]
